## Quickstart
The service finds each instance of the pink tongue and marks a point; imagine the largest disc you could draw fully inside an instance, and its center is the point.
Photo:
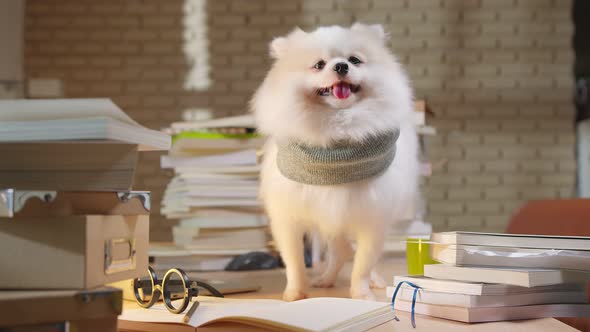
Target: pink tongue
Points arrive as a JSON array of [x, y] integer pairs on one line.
[[341, 90]]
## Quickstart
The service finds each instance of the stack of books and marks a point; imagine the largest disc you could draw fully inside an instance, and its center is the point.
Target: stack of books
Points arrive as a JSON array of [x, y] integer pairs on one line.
[[491, 277], [213, 194], [70, 222]]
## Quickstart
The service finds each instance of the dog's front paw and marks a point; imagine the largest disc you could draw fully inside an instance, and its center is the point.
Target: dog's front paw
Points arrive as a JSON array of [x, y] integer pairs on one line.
[[323, 282], [377, 281], [293, 295], [362, 294]]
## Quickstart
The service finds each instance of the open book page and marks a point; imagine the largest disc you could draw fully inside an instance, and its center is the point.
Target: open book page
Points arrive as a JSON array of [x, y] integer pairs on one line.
[[210, 309], [314, 314], [317, 314]]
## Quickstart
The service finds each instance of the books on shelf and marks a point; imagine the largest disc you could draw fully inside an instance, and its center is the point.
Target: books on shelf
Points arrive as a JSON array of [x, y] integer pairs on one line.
[[315, 314]]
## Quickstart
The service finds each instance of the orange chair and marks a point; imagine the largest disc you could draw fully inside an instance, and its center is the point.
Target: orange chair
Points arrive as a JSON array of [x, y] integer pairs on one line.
[[555, 217]]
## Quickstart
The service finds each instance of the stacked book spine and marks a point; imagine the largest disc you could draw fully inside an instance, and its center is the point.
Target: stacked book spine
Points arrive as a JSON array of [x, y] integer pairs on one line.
[[70, 222], [492, 277], [213, 195]]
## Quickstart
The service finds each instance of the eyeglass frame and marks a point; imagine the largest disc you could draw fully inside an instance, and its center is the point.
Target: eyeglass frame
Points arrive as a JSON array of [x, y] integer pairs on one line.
[[159, 288]]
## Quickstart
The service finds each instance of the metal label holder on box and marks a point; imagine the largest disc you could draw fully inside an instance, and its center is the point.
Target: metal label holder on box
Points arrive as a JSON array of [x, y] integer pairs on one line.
[[27, 203]]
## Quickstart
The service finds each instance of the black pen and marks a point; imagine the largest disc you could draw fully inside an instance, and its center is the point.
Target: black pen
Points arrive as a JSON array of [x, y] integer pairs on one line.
[[190, 312]]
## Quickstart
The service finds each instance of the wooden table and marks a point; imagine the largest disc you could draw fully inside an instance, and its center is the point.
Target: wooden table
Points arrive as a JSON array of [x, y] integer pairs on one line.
[[273, 281]]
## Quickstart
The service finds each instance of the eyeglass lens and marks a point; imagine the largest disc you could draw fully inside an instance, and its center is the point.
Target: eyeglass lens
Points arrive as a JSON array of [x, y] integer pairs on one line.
[[145, 290], [175, 291]]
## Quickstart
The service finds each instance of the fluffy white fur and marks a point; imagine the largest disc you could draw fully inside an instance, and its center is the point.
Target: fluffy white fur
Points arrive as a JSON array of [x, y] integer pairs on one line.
[[287, 106]]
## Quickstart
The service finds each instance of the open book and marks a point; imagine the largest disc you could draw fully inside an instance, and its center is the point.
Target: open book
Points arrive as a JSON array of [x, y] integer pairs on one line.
[[74, 119], [316, 314]]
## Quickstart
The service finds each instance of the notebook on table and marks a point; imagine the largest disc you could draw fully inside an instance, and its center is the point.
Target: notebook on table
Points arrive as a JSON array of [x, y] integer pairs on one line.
[[315, 314]]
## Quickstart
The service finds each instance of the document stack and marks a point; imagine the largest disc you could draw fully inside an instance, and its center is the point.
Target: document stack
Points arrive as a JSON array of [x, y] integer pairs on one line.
[[214, 194], [492, 277], [70, 221]]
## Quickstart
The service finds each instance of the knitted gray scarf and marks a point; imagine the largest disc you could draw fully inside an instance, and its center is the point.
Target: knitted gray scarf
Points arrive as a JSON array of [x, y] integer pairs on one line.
[[342, 162]]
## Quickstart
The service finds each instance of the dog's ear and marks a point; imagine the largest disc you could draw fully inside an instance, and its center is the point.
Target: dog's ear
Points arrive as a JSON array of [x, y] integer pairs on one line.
[[279, 45], [375, 30]]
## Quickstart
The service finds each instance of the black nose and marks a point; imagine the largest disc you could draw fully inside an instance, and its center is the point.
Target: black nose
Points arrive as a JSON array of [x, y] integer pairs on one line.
[[341, 68]]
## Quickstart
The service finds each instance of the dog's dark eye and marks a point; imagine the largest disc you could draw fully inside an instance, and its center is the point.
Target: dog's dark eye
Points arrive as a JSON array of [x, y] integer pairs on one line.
[[319, 65], [354, 60]]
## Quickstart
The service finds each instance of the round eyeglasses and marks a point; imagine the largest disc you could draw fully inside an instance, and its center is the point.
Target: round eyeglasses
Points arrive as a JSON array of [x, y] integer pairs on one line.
[[176, 286]]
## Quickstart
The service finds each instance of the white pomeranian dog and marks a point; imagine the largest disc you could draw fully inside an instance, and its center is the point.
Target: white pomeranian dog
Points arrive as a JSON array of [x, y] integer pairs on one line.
[[341, 156]]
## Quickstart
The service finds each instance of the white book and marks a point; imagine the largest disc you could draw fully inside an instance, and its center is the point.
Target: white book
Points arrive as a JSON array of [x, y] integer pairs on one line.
[[246, 121], [225, 222], [406, 293], [245, 157], [514, 240], [74, 120], [192, 263], [242, 170], [186, 204], [213, 192], [315, 314], [156, 250], [190, 146], [192, 189], [480, 288], [509, 276], [219, 238], [185, 183], [218, 211], [220, 177], [511, 257], [408, 228], [426, 130], [492, 314]]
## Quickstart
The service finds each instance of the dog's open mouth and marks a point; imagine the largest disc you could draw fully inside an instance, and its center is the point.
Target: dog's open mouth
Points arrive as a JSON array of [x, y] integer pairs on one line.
[[340, 90]]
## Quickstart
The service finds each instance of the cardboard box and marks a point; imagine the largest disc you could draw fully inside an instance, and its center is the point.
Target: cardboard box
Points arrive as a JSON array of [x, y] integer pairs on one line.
[[87, 310], [72, 252]]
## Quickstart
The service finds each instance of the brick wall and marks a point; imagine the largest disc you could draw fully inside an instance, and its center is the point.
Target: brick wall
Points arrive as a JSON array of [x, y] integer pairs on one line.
[[497, 72]]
